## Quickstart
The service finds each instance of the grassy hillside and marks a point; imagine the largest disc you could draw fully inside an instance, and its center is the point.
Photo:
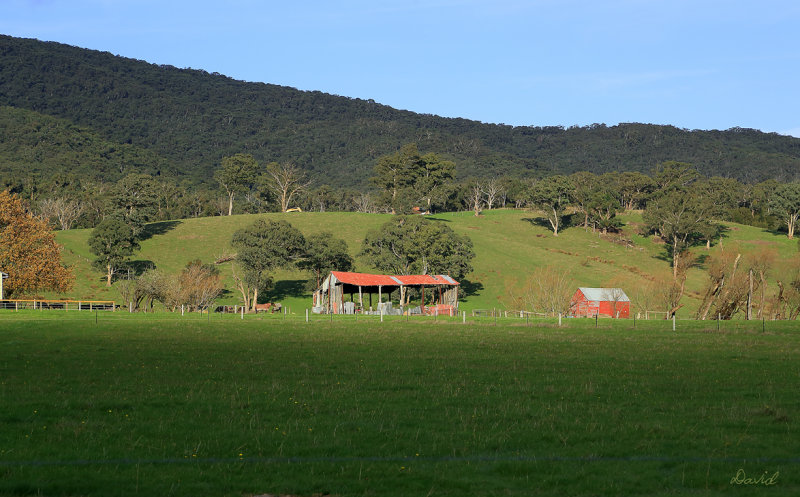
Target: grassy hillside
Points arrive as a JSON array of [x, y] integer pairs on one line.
[[510, 245]]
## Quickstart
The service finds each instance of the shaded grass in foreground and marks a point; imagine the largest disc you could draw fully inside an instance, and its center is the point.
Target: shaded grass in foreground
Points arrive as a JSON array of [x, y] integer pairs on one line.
[[230, 407]]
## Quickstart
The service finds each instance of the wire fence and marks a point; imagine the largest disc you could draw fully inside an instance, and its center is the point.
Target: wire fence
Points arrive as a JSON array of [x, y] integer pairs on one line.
[[475, 317]]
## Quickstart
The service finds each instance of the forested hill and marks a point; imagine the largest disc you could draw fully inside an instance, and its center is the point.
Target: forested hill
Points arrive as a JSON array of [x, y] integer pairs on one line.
[[181, 122]]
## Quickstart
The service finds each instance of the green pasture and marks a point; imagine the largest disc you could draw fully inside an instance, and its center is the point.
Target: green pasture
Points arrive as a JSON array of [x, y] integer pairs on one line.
[[118, 404]]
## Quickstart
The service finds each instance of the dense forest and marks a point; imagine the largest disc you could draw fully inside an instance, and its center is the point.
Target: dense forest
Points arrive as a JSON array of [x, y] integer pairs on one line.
[[96, 115]]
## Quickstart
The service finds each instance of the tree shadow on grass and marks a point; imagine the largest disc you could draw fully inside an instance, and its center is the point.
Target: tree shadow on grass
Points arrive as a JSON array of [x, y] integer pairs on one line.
[[439, 219], [700, 260], [538, 221], [224, 294], [469, 288], [134, 269], [565, 222], [153, 229], [287, 288]]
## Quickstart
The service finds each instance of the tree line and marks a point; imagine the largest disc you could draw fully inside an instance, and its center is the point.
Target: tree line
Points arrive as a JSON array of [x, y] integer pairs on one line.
[[407, 181]]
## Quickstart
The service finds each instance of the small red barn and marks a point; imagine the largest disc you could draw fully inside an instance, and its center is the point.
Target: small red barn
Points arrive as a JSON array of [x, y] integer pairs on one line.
[[609, 302]]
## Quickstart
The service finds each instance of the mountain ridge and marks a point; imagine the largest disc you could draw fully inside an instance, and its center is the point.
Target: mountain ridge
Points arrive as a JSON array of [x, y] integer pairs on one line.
[[191, 119]]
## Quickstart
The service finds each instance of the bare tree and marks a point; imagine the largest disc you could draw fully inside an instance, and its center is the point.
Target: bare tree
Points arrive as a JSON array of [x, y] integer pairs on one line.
[[549, 289], [492, 189], [200, 285], [47, 211], [733, 280], [761, 262], [671, 292], [364, 203], [61, 211], [476, 198], [285, 181], [222, 206]]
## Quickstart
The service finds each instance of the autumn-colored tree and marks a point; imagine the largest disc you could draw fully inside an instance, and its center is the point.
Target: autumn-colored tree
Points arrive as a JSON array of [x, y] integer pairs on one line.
[[200, 285], [29, 253]]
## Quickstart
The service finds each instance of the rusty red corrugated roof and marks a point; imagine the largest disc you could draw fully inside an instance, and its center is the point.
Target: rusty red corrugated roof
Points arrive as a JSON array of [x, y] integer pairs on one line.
[[365, 279]]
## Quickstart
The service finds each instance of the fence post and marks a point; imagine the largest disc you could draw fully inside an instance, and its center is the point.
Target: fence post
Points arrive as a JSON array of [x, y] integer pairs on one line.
[[559, 319], [464, 317], [242, 311], [306, 315], [673, 322]]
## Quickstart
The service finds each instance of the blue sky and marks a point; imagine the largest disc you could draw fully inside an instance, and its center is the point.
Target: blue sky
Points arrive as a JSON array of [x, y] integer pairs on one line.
[[694, 64]]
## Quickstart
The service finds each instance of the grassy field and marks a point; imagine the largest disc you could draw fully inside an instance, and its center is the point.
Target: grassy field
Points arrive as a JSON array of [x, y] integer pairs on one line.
[[509, 246], [120, 404]]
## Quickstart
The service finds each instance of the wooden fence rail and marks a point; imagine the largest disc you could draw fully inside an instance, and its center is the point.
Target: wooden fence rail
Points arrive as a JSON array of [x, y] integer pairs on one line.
[[63, 305]]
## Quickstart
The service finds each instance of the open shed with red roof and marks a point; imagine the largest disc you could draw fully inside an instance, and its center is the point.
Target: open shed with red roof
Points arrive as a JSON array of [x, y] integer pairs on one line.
[[331, 296]]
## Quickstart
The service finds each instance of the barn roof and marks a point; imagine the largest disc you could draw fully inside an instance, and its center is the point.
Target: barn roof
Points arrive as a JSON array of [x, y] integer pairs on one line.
[[365, 279], [604, 294]]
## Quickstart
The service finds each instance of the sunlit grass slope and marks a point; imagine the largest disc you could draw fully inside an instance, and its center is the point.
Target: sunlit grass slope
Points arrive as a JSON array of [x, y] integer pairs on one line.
[[509, 246]]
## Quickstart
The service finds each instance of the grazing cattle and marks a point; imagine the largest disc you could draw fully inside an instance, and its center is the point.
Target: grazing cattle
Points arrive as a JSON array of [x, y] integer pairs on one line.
[[269, 307]]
